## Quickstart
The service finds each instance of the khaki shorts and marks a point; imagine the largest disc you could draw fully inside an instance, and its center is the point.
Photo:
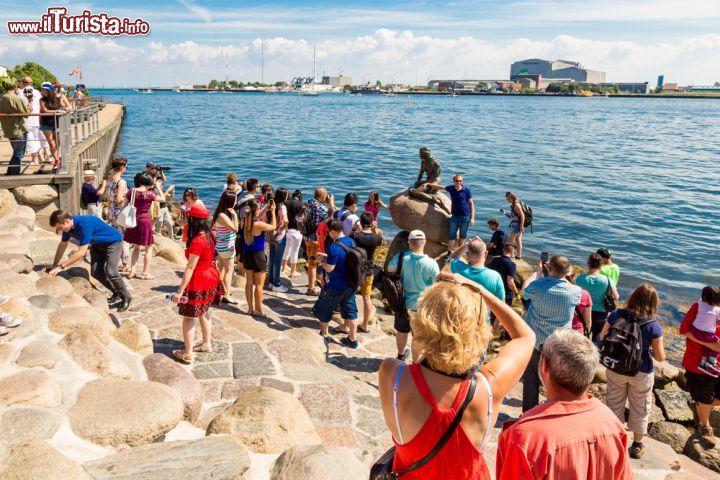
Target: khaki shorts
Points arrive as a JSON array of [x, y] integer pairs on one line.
[[227, 255], [366, 287]]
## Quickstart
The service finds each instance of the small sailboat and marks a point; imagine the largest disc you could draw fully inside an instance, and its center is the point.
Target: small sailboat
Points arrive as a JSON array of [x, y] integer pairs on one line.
[[309, 90], [390, 94]]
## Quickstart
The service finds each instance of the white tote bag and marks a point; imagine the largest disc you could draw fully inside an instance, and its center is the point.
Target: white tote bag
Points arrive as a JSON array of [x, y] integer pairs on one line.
[[127, 218]]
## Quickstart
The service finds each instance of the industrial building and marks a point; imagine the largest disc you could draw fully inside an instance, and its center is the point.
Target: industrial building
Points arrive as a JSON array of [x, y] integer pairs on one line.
[[338, 82], [626, 87], [547, 70]]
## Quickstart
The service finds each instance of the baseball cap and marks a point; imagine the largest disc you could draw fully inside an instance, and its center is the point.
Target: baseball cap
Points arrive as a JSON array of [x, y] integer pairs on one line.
[[198, 211], [48, 86], [417, 235], [149, 165], [89, 173], [604, 252]]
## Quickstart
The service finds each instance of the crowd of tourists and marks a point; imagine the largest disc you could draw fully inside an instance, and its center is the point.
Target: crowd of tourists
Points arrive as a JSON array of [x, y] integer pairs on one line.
[[444, 317]]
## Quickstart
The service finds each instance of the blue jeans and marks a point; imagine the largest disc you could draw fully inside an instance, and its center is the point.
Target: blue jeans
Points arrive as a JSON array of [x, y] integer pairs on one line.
[[329, 299], [459, 222], [18, 146], [276, 253]]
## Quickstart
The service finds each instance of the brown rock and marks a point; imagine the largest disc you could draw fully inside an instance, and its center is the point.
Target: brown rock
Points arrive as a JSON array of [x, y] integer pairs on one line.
[[673, 434], [16, 308], [36, 195], [26, 213], [16, 285], [170, 250], [116, 412], [698, 450], [81, 285], [7, 353], [25, 424], [56, 286], [72, 300], [136, 337], [98, 300], [7, 203], [16, 262], [161, 369], [39, 461], [68, 318], [41, 353], [30, 387], [267, 421], [86, 349], [409, 214], [318, 462]]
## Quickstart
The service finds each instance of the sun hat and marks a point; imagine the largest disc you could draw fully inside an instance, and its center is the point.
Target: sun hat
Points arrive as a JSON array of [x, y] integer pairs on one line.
[[7, 82], [48, 86], [89, 173], [417, 235], [198, 211]]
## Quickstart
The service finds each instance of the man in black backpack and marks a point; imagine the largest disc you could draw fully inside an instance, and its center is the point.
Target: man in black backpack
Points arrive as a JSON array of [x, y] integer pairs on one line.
[[338, 290], [368, 239]]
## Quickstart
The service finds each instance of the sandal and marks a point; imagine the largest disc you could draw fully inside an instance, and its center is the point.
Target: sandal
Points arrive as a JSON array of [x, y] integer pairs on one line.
[[312, 292], [339, 330], [183, 356], [130, 275], [363, 330], [146, 277], [201, 348], [259, 314]]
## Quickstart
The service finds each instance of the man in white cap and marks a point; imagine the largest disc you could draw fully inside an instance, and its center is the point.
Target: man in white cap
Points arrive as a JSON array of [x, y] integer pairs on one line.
[[92, 197], [417, 273]]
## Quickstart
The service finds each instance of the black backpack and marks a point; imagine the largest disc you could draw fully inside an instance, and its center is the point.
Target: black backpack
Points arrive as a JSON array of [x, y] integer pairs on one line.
[[393, 289], [356, 264], [527, 212], [621, 349], [305, 225]]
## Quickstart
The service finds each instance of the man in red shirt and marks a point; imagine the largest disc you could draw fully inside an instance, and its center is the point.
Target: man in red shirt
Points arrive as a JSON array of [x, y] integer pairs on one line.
[[573, 434], [704, 389]]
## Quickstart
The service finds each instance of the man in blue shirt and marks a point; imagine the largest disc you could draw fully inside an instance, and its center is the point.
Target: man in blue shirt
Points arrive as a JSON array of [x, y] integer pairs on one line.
[[105, 245], [552, 305], [463, 209], [337, 291]]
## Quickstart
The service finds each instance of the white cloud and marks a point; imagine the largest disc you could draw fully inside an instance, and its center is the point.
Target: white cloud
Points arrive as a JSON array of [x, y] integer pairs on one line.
[[387, 55], [196, 9]]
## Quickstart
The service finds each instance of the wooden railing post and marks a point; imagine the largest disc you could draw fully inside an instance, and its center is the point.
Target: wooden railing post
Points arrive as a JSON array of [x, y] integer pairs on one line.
[[65, 141]]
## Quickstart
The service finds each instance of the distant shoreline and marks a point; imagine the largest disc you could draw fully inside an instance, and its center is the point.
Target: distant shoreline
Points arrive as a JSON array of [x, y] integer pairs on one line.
[[427, 92]]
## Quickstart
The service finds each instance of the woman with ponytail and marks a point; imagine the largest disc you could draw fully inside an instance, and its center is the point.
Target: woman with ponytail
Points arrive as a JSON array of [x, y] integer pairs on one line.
[[254, 258]]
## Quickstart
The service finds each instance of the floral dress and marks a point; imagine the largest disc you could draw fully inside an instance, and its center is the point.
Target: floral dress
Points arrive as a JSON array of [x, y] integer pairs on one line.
[[114, 208]]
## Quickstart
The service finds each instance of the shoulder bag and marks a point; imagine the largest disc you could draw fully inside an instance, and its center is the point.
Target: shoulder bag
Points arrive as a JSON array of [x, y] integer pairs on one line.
[[382, 469], [127, 218], [609, 301]]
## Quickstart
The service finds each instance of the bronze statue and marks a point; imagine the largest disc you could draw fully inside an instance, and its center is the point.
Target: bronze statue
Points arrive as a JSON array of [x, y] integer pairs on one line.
[[431, 169]]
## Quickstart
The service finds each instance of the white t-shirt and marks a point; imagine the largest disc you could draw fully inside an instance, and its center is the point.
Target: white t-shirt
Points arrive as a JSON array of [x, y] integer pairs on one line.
[[708, 316], [31, 121]]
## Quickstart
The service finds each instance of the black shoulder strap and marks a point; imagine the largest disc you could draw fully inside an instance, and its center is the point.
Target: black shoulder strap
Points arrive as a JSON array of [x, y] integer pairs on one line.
[[400, 262], [448, 433]]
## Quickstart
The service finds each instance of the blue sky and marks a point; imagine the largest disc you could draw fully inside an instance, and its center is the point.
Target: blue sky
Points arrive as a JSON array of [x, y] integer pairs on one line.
[[399, 41]]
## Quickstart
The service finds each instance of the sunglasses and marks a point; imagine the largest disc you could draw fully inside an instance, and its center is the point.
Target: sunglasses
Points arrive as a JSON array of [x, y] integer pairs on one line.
[[458, 181]]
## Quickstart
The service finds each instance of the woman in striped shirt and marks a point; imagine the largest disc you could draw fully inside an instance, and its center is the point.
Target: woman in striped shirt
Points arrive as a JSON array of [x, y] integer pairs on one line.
[[225, 223]]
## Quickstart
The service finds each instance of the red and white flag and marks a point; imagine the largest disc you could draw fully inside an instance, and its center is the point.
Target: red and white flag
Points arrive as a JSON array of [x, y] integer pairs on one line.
[[75, 71]]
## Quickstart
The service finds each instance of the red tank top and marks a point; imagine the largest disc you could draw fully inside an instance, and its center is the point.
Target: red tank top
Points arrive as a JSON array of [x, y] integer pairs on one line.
[[459, 458]]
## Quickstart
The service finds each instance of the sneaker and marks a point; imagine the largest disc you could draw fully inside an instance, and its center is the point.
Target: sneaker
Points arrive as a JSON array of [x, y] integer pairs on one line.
[[712, 365], [708, 435], [346, 342], [4, 299], [703, 367], [637, 449], [4, 331], [405, 355], [6, 320], [327, 341], [279, 288]]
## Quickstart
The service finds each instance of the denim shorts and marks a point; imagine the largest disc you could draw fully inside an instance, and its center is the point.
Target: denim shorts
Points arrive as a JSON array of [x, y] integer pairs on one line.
[[515, 227], [459, 222], [46, 128], [329, 299]]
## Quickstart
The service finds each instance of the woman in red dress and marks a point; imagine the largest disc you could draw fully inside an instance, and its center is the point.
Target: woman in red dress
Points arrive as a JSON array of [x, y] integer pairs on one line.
[[200, 283]]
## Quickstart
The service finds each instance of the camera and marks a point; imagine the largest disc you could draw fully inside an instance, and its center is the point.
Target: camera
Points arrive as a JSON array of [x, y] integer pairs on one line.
[[160, 168]]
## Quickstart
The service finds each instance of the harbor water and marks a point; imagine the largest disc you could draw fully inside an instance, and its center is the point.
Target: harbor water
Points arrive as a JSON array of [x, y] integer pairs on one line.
[[638, 176]]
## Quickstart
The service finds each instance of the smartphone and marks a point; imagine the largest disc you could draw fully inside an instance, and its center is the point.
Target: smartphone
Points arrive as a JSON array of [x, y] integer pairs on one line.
[[544, 257]]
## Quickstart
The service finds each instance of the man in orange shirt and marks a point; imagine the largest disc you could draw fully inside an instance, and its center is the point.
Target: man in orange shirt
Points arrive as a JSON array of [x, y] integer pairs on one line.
[[573, 434]]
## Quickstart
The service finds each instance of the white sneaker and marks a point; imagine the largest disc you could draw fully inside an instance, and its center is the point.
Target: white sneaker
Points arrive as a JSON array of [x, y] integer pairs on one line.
[[6, 320], [280, 289], [4, 299]]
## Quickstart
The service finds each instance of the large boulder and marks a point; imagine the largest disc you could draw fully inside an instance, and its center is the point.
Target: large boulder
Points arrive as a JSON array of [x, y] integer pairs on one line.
[[16, 285], [14, 244], [16, 262], [23, 212], [218, 457], [7, 203], [674, 404], [673, 434], [45, 302], [318, 462], [170, 250], [88, 351], [409, 213], [116, 412], [67, 319], [39, 461], [35, 195], [56, 286], [43, 250], [7, 353], [16, 309], [400, 244], [21, 425], [664, 373], [135, 336], [161, 369], [267, 421], [30, 387], [41, 353], [697, 449]]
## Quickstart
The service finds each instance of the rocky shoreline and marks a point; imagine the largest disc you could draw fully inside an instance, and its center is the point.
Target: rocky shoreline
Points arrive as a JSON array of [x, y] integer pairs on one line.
[[87, 393]]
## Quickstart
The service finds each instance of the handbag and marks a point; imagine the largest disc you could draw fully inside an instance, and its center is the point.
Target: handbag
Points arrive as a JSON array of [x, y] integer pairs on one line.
[[382, 469], [608, 300], [127, 218]]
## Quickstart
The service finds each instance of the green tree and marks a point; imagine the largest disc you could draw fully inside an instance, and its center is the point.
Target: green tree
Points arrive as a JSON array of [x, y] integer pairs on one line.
[[37, 72], [233, 84], [554, 88], [214, 84]]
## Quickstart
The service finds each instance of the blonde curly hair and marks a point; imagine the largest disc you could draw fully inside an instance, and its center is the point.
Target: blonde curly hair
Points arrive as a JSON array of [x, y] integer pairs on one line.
[[450, 328]]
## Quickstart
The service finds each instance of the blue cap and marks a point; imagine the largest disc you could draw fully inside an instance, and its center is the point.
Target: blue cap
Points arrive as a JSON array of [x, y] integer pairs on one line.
[[48, 85]]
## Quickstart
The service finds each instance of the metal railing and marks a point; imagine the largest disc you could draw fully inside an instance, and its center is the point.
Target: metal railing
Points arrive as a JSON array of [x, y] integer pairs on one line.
[[71, 129]]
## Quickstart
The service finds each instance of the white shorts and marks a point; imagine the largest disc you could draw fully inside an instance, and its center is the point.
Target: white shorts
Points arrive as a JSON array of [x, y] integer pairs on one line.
[[34, 139]]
